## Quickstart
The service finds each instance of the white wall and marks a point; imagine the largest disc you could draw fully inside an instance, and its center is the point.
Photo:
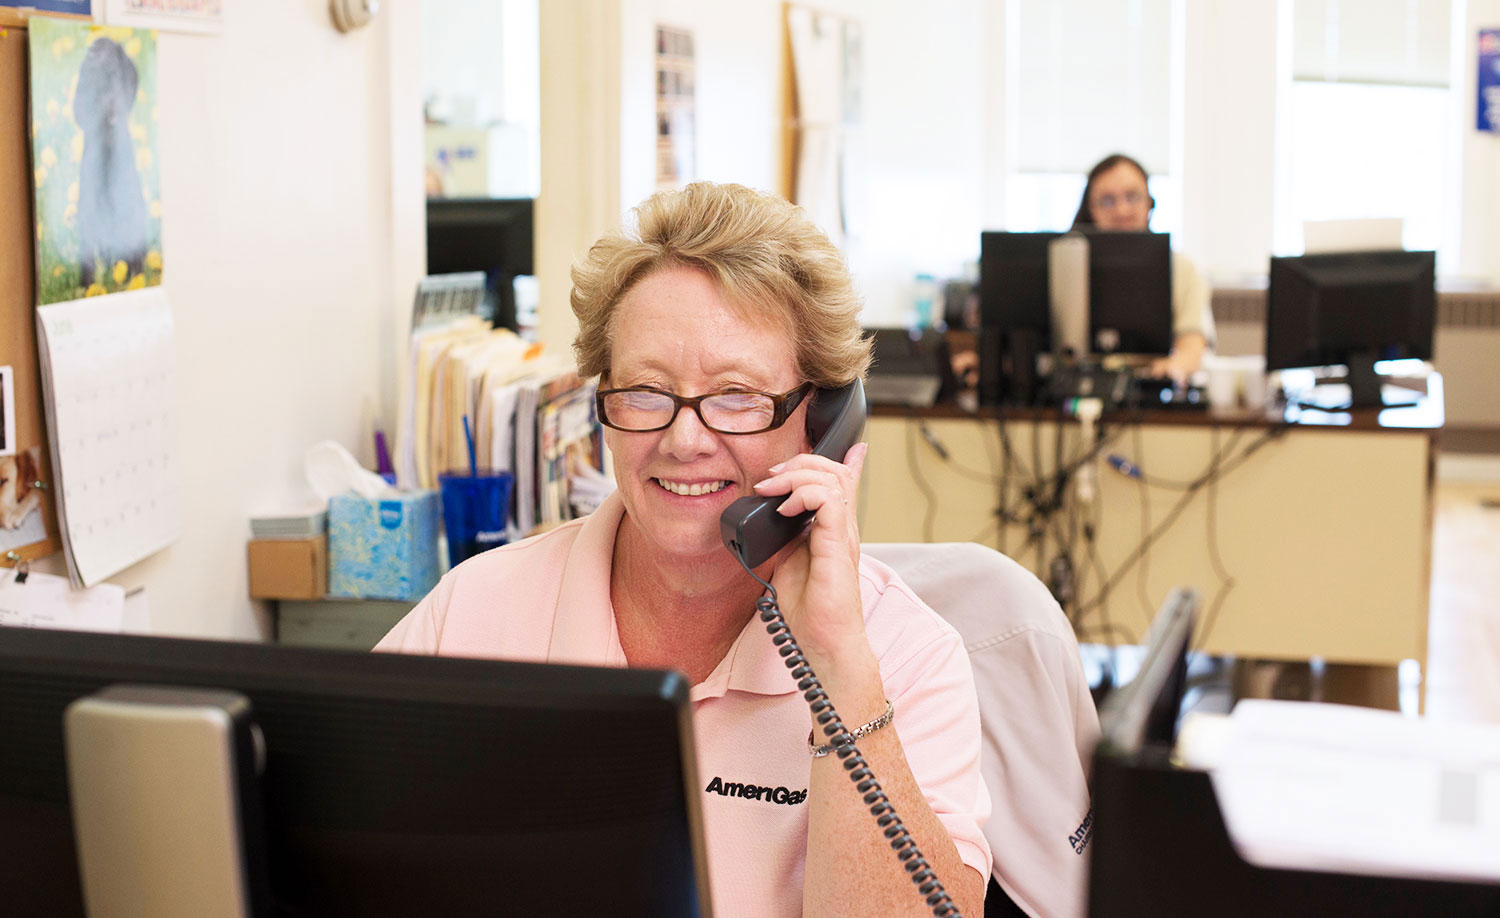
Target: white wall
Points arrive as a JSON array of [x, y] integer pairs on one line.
[[292, 246], [922, 128], [463, 71], [1229, 128]]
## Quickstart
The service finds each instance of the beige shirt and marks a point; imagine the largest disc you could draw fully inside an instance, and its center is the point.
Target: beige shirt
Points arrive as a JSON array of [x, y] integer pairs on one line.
[[1192, 310]]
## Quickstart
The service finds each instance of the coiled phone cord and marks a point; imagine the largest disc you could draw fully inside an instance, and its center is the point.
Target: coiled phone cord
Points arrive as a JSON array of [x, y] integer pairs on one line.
[[902, 843]]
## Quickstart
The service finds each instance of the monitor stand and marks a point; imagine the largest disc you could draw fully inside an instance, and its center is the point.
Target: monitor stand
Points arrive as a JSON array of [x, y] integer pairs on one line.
[[1365, 385], [1365, 389]]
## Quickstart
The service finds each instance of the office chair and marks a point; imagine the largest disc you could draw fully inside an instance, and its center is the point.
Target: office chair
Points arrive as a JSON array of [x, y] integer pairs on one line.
[[1037, 716]]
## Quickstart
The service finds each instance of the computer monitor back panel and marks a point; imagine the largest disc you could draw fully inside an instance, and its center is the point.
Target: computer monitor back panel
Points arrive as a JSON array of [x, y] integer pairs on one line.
[[1130, 293], [393, 785], [1013, 281], [1325, 309]]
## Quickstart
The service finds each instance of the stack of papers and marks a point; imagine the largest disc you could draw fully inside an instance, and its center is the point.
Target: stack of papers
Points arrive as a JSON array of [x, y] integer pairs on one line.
[[528, 412], [44, 601], [1353, 790]]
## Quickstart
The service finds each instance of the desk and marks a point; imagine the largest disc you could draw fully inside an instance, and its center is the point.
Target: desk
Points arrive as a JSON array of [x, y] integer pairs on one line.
[[1324, 528]]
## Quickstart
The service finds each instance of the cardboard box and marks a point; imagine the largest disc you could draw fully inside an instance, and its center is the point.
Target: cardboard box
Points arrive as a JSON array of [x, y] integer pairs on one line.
[[288, 568], [383, 549]]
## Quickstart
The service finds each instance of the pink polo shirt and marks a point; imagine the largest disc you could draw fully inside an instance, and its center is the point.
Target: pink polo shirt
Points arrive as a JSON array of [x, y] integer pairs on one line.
[[547, 599]]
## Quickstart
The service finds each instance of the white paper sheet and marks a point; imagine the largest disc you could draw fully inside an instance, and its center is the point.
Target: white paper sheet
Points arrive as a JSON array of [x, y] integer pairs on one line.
[[107, 378], [44, 601], [1330, 787]]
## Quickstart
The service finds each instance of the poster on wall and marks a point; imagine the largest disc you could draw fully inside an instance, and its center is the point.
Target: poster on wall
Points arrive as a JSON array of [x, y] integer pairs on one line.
[[676, 152], [1489, 80], [94, 151], [171, 15]]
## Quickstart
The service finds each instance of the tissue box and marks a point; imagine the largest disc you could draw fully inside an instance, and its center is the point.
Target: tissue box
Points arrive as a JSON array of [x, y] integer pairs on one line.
[[383, 548]]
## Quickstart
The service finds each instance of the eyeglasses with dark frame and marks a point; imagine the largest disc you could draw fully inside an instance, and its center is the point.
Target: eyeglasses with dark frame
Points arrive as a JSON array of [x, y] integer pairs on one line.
[[642, 409]]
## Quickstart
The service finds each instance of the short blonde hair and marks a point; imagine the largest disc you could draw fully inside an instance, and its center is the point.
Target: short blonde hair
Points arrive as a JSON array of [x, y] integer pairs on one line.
[[767, 258]]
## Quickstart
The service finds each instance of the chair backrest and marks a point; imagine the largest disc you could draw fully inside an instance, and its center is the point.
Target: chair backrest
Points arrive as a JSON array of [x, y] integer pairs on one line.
[[1038, 718]]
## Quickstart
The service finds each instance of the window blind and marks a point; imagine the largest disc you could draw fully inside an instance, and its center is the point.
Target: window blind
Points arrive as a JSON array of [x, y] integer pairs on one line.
[[1395, 42]]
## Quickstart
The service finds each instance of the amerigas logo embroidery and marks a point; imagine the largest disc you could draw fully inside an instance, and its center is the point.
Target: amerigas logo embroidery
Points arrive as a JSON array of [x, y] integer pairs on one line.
[[779, 795], [1083, 834]]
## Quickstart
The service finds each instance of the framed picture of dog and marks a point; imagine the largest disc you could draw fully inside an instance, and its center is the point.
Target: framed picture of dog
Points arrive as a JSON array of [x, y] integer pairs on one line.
[[171, 15], [94, 159]]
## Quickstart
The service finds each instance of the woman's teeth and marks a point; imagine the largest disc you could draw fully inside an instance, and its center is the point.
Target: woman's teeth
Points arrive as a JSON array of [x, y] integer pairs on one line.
[[692, 490]]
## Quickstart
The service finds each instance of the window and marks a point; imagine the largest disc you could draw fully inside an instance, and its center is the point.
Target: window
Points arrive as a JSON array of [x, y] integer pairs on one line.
[[1365, 127], [1086, 78]]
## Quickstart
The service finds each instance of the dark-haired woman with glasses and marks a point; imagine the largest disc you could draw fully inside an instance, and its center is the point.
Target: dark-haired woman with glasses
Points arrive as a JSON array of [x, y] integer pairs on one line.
[[1116, 199]]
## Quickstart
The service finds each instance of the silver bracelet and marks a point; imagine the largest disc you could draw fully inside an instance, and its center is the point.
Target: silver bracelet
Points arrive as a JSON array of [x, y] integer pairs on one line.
[[856, 734]]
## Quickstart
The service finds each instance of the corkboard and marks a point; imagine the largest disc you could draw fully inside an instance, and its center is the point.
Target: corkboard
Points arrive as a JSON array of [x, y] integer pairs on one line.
[[17, 282]]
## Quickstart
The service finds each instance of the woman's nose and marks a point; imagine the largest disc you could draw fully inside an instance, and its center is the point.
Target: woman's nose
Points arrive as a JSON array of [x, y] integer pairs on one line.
[[687, 436]]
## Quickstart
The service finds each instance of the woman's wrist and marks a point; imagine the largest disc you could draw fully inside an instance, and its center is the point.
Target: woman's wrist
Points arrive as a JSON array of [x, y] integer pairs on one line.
[[851, 677]]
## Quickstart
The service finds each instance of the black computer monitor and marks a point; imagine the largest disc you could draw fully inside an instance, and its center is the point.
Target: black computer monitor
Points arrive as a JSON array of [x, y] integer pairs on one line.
[[1013, 276], [1130, 293], [1015, 320], [1130, 304], [1351, 308], [1145, 711], [393, 785], [493, 235]]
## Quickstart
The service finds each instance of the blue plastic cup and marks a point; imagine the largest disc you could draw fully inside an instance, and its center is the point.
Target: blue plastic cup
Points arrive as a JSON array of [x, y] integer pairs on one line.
[[476, 509]]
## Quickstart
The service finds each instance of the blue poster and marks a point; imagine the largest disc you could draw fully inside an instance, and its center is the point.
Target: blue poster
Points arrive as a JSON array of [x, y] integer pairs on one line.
[[80, 7], [1489, 80]]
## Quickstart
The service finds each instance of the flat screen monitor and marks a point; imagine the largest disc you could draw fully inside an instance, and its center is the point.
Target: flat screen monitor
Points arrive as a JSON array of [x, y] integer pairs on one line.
[[493, 235], [1013, 281], [1130, 293], [1130, 304], [1353, 309], [393, 785], [1015, 321], [1145, 711]]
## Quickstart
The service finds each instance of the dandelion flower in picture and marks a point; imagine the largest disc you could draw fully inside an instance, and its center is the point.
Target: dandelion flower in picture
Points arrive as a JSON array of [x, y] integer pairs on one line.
[[57, 271], [95, 290], [153, 260], [121, 272], [136, 282]]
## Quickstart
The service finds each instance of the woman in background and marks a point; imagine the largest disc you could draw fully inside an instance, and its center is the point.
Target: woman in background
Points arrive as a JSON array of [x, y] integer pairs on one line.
[[1116, 199]]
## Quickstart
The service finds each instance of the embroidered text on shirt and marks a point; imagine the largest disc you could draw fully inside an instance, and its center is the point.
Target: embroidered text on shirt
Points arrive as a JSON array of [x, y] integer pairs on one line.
[[755, 792], [1083, 834]]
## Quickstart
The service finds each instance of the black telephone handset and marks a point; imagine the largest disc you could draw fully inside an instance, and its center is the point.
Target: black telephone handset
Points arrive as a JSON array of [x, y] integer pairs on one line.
[[751, 527], [753, 531]]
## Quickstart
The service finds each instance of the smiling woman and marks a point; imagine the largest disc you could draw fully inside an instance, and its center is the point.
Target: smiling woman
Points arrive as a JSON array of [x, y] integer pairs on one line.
[[712, 324]]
